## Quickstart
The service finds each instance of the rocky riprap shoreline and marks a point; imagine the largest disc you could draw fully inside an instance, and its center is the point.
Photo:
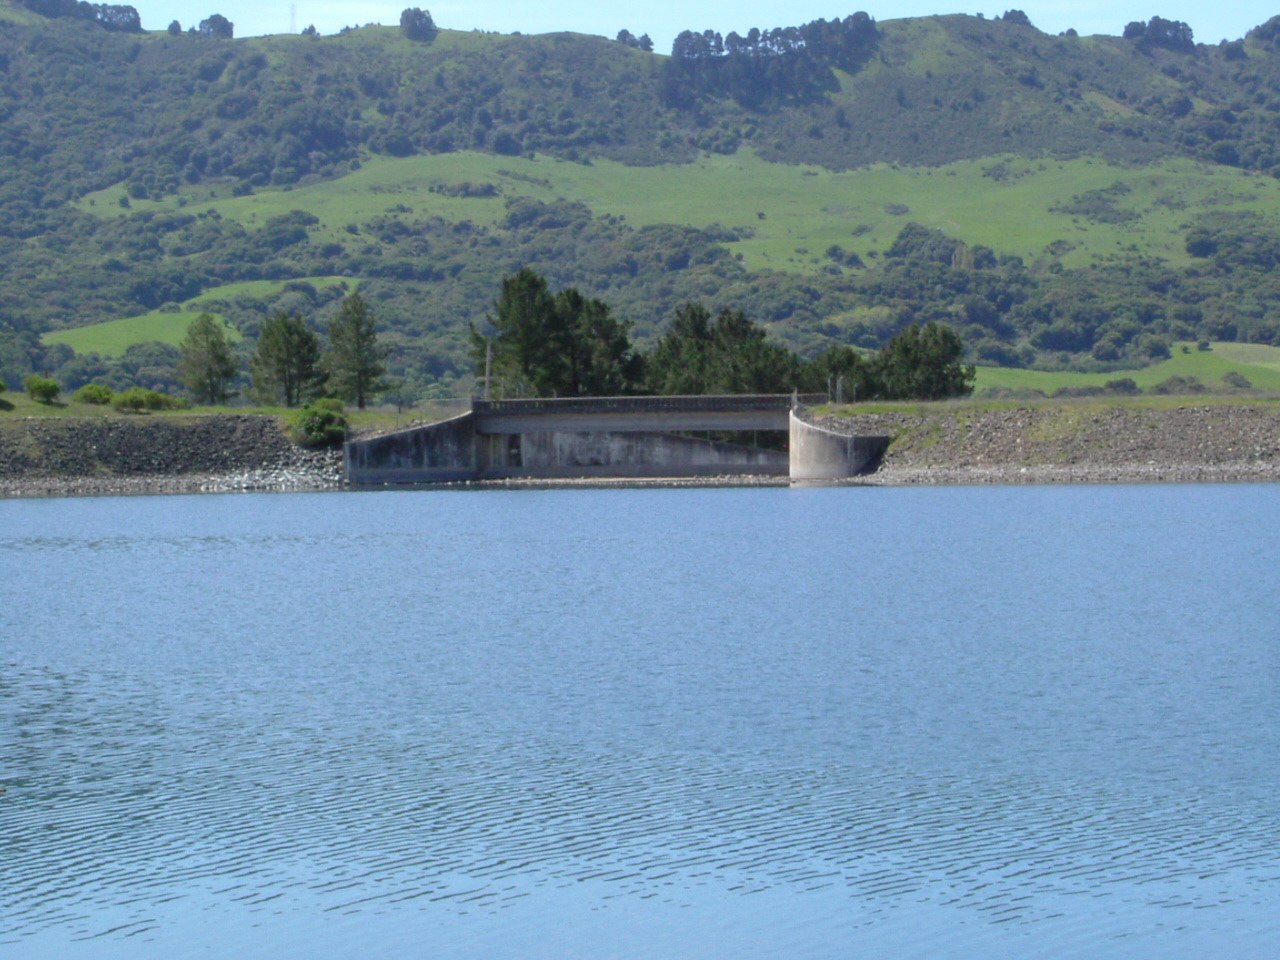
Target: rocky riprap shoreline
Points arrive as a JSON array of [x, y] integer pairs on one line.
[[1075, 443], [941, 444], [64, 456]]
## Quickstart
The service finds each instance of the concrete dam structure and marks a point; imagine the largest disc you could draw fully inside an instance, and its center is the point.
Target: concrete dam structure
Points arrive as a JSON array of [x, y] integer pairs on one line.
[[610, 438]]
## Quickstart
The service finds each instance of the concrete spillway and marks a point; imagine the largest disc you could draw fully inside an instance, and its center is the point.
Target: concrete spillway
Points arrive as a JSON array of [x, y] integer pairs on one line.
[[613, 437]]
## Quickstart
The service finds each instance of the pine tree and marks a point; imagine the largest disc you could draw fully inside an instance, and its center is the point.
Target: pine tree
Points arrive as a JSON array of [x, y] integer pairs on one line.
[[207, 366], [355, 359], [286, 363]]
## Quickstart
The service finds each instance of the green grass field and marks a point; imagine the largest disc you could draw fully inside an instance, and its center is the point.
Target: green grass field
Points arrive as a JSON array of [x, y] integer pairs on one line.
[[113, 337], [1259, 364], [795, 212]]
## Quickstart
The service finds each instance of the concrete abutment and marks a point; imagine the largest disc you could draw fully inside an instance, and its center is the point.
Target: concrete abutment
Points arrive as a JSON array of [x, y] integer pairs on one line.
[[613, 438]]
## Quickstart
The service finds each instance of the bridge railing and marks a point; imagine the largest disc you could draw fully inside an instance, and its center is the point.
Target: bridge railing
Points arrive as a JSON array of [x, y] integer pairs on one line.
[[685, 404]]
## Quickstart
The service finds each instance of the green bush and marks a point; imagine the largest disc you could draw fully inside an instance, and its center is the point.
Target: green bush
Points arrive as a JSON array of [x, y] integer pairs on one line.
[[95, 393], [319, 424], [1179, 385], [138, 400], [41, 389]]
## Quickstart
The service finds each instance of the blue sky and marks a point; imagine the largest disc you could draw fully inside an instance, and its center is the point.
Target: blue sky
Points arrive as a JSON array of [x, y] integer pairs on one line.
[[1229, 19]]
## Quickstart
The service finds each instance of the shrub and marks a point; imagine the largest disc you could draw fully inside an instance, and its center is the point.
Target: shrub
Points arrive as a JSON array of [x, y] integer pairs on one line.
[[319, 424], [95, 393], [41, 389], [1179, 385], [1125, 385], [139, 399], [1234, 378]]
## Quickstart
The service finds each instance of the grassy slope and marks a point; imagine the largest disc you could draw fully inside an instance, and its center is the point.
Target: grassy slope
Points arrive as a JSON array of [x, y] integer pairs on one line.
[[1006, 203], [112, 338], [1259, 364]]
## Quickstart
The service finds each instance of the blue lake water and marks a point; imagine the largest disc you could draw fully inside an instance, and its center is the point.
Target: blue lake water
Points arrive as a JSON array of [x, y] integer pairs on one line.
[[706, 723]]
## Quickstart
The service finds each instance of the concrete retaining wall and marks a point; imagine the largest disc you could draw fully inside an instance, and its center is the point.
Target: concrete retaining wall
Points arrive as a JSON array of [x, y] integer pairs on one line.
[[560, 455], [821, 454], [438, 453]]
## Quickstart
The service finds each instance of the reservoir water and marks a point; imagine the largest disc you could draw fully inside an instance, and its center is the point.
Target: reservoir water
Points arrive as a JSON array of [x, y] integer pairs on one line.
[[706, 723]]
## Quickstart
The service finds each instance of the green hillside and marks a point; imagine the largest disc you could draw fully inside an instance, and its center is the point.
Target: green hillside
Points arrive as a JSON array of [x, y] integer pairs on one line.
[[1078, 205], [1257, 364], [1020, 207], [114, 337]]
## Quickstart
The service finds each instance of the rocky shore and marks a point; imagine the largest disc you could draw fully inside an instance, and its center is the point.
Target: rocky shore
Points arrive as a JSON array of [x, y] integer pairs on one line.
[[941, 444], [63, 456], [1075, 443]]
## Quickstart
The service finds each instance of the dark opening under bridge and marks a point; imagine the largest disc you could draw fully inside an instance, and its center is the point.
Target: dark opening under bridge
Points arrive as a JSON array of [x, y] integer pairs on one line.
[[611, 437]]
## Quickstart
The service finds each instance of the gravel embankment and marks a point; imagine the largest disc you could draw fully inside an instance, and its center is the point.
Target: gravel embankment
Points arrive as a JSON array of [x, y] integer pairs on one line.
[[1076, 444], [1066, 443], [53, 456]]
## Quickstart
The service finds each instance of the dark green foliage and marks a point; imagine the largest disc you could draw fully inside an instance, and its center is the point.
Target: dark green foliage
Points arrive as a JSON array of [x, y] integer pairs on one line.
[[1236, 380], [218, 27], [285, 366], [922, 363], [208, 366], [1158, 32], [141, 400], [642, 42], [94, 393], [41, 389], [1179, 385], [555, 345], [1125, 385], [119, 18], [417, 25], [319, 424], [766, 66], [728, 355], [354, 360]]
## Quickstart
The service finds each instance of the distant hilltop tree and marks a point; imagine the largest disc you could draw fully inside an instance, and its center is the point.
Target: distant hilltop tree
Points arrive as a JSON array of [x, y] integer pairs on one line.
[[785, 62], [175, 28], [418, 26], [218, 27], [1016, 16], [1159, 32], [120, 19], [642, 42]]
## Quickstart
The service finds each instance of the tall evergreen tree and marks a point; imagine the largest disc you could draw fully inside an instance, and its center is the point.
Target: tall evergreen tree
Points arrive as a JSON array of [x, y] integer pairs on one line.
[[564, 345], [355, 359], [923, 363], [728, 355], [207, 366], [286, 362]]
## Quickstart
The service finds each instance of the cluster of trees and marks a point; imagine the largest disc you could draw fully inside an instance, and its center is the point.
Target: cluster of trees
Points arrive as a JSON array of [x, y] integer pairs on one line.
[[115, 17], [1159, 32], [564, 344], [417, 25], [288, 366], [642, 42], [785, 62]]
